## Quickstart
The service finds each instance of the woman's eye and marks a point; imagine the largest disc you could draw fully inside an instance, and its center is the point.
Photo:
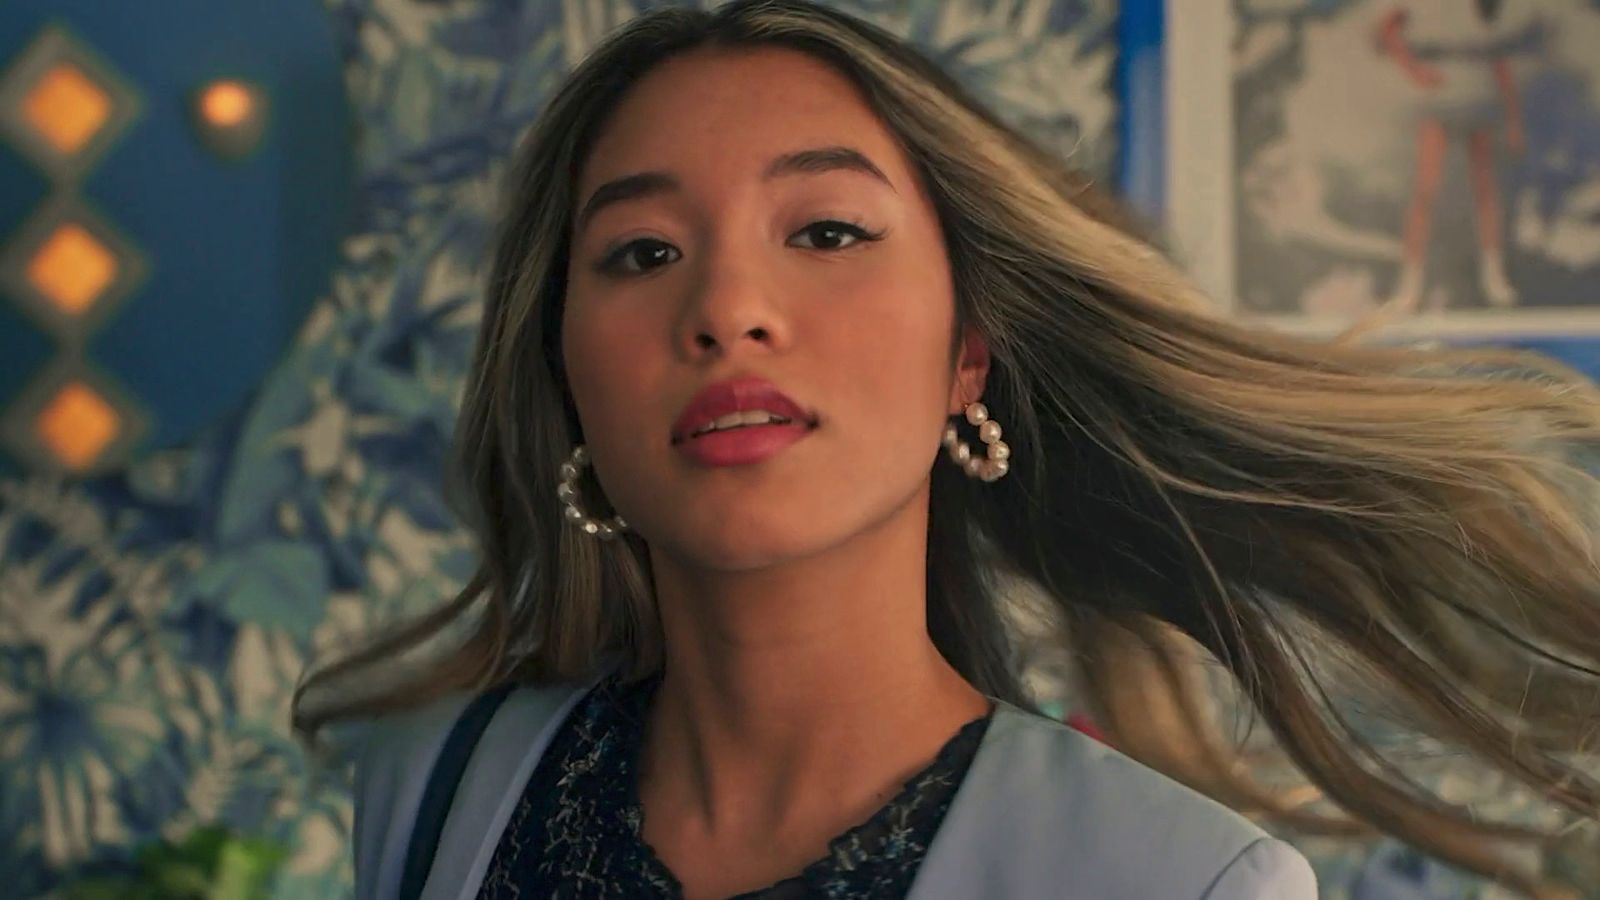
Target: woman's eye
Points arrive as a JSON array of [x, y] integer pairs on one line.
[[828, 233], [646, 252], [640, 256]]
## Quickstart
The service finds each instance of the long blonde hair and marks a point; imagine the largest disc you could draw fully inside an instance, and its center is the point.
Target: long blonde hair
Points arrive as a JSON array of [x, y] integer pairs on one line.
[[1313, 517]]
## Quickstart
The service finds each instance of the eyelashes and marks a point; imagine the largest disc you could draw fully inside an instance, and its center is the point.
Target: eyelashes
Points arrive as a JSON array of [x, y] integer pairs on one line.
[[857, 233], [653, 254], [612, 263]]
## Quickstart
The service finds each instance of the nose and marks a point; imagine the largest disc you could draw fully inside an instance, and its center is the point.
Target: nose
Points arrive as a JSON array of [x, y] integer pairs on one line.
[[731, 309]]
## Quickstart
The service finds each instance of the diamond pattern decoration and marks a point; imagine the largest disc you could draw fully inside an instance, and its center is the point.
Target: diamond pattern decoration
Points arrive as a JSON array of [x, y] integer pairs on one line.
[[77, 425], [72, 419], [68, 268], [71, 268], [62, 106], [66, 108]]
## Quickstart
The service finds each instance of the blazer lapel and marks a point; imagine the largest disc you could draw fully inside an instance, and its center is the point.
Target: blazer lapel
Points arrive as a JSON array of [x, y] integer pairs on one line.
[[514, 741], [998, 813], [1046, 811]]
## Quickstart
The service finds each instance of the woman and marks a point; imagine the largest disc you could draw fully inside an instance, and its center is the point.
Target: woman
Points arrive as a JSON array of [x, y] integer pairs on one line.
[[1456, 55], [799, 371]]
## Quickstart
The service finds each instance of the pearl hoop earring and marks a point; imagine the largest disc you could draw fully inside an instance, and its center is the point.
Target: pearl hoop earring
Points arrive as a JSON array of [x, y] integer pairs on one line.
[[997, 459], [567, 493]]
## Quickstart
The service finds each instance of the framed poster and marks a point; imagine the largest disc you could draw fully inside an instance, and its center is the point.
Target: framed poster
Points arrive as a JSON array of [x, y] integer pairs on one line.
[[1431, 167], [1433, 163]]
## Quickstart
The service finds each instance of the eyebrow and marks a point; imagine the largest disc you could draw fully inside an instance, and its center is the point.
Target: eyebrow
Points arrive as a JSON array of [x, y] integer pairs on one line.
[[643, 184]]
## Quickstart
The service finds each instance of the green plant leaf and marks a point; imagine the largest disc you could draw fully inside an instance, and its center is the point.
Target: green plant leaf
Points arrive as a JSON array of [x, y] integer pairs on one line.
[[245, 869]]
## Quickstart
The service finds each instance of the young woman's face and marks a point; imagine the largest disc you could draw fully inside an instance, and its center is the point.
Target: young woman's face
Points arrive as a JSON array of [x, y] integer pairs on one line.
[[825, 278]]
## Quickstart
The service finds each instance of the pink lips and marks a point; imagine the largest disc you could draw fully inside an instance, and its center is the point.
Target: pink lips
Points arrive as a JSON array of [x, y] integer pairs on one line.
[[739, 446]]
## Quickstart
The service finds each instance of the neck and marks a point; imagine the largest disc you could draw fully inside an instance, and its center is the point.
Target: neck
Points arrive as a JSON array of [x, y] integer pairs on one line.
[[790, 690]]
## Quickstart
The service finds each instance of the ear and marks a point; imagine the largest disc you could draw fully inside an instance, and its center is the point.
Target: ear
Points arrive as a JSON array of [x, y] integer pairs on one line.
[[972, 370]]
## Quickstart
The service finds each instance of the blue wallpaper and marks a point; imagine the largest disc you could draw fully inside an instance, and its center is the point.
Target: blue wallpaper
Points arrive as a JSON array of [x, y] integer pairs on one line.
[[235, 251]]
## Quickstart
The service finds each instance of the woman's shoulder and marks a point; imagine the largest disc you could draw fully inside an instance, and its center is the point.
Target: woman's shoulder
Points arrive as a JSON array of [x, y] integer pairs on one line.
[[395, 753], [1089, 775], [405, 742], [1055, 804], [401, 745]]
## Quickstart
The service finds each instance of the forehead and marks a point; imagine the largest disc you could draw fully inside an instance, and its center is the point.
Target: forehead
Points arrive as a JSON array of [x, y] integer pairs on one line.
[[733, 111]]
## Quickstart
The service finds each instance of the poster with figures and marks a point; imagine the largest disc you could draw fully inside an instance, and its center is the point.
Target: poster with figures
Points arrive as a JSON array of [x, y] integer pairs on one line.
[[1429, 165]]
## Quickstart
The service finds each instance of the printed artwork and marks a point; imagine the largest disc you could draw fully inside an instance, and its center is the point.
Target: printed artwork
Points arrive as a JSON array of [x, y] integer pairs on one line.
[[1432, 162]]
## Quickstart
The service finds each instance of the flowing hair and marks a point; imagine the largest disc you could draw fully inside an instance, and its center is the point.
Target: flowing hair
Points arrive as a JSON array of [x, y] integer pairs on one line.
[[1319, 521]]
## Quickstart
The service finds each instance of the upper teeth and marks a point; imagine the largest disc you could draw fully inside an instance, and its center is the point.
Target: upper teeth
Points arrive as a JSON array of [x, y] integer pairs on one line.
[[738, 419]]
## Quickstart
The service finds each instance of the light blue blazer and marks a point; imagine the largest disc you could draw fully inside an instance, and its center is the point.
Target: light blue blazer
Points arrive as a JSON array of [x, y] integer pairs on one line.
[[1043, 812]]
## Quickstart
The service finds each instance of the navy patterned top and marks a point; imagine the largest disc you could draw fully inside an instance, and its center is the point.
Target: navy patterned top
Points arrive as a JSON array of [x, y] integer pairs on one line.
[[577, 830]]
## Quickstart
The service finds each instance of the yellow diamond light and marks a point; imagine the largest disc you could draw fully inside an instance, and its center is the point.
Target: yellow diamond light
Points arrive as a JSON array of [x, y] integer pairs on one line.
[[77, 425], [72, 268], [66, 107]]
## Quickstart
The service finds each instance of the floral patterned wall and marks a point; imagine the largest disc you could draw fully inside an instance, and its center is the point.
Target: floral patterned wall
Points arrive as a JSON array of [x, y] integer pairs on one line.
[[153, 622]]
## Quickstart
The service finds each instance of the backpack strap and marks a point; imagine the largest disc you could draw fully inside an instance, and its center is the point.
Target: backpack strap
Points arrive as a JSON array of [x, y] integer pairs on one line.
[[443, 780]]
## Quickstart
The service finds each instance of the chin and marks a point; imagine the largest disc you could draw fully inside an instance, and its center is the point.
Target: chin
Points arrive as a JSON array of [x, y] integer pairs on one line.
[[743, 551], [745, 542]]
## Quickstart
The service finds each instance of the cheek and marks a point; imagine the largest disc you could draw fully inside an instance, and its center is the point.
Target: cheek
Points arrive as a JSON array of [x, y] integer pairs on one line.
[[606, 363], [902, 340], [890, 357]]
